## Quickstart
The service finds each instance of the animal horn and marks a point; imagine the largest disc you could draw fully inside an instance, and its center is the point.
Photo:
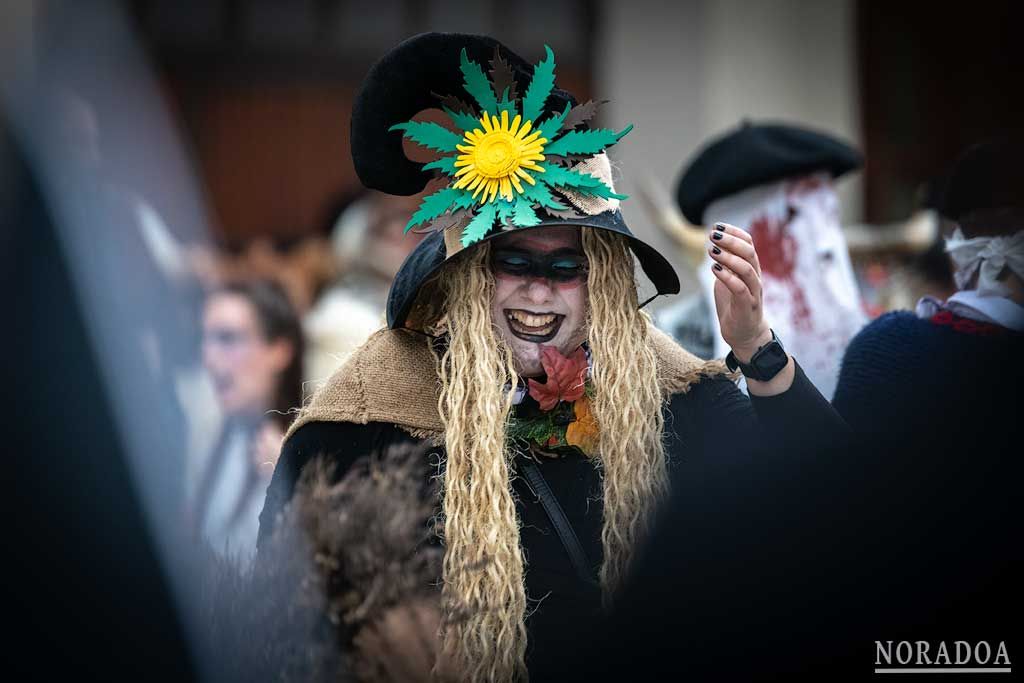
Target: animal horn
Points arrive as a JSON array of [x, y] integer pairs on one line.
[[663, 212], [913, 236]]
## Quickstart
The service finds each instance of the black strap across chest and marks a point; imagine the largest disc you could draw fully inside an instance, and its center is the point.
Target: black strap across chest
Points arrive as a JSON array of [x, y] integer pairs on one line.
[[535, 480]]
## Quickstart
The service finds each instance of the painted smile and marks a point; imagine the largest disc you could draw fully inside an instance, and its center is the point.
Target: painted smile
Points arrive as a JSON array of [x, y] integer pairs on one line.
[[533, 327]]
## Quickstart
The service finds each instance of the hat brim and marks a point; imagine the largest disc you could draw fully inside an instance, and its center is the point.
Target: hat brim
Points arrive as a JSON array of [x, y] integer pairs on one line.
[[429, 257]]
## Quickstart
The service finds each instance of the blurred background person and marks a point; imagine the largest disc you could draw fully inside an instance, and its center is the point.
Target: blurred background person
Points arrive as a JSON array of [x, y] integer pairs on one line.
[[368, 245], [252, 350], [903, 371]]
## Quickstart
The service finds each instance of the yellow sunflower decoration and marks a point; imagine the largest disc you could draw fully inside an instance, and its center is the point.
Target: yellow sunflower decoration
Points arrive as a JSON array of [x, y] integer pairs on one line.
[[496, 158], [512, 155]]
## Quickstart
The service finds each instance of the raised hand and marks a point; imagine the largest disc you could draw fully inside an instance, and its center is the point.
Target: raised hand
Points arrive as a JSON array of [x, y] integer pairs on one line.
[[739, 300]]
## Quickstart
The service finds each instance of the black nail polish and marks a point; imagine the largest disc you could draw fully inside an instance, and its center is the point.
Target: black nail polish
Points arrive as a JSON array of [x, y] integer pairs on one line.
[[716, 235], [716, 250], [717, 266]]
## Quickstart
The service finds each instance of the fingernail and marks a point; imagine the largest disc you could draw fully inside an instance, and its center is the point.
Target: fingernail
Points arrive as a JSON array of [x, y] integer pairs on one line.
[[720, 226], [716, 235], [716, 250], [717, 266]]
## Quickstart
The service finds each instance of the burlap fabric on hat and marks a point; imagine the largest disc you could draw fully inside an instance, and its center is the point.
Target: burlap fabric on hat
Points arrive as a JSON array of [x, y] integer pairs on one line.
[[393, 378]]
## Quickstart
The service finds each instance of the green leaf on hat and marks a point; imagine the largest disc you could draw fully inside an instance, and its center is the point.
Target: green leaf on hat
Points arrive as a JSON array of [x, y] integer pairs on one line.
[[583, 183], [540, 86], [556, 175], [505, 210], [525, 216], [539, 194], [464, 200], [433, 206], [585, 141], [506, 104], [463, 120], [481, 224], [430, 135], [551, 125], [444, 164], [477, 85]]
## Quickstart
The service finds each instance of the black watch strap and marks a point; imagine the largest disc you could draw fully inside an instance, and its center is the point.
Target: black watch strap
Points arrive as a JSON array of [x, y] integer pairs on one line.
[[767, 361]]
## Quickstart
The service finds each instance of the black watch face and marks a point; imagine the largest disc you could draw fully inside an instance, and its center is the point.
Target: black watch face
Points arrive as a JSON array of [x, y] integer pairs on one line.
[[770, 360]]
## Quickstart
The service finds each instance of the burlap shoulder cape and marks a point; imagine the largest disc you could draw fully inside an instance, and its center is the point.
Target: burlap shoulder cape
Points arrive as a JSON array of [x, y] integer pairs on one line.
[[392, 378]]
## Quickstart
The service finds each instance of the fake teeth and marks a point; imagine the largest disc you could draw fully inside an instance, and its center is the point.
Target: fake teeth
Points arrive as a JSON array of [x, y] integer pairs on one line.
[[532, 319]]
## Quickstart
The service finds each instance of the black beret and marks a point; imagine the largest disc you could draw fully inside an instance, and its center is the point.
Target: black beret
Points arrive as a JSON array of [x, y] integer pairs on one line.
[[754, 155], [987, 176]]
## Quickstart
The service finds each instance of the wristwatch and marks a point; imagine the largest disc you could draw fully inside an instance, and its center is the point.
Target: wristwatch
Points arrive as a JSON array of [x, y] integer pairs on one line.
[[767, 362]]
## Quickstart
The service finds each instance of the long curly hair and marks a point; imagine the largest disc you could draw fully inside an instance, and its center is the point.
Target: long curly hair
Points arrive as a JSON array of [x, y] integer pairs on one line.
[[483, 566]]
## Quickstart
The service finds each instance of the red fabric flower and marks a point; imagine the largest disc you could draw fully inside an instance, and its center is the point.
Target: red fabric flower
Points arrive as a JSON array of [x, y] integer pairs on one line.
[[566, 377]]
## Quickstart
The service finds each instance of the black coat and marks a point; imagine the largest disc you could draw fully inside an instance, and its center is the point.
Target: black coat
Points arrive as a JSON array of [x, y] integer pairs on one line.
[[710, 426]]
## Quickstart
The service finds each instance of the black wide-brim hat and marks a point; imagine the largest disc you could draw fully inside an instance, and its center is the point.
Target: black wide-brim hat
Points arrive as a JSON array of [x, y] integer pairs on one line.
[[429, 256], [754, 155], [405, 82]]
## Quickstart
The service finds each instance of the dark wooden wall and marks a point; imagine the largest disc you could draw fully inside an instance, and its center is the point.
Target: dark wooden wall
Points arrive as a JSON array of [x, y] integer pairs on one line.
[[264, 89], [934, 78]]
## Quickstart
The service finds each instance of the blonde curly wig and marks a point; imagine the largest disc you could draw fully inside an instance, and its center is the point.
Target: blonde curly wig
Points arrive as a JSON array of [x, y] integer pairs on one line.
[[483, 566]]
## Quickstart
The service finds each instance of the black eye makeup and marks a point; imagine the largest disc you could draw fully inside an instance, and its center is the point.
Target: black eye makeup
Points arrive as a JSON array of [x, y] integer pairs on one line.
[[560, 266]]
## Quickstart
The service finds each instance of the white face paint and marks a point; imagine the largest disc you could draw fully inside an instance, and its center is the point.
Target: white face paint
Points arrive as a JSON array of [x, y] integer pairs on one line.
[[811, 298]]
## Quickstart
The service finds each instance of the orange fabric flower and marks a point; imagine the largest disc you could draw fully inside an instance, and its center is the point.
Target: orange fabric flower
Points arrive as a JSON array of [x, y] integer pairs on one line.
[[583, 433]]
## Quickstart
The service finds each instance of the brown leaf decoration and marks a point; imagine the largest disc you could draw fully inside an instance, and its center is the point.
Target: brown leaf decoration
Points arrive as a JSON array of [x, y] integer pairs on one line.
[[568, 160], [455, 104], [566, 376], [583, 432], [444, 221], [581, 113], [502, 77], [568, 213]]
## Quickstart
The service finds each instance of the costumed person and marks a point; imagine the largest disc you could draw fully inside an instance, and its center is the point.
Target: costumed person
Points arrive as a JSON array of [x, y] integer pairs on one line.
[[776, 182], [904, 368], [252, 350], [558, 416]]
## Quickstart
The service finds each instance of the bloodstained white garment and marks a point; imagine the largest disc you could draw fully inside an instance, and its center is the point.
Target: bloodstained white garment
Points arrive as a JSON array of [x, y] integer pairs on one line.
[[811, 298]]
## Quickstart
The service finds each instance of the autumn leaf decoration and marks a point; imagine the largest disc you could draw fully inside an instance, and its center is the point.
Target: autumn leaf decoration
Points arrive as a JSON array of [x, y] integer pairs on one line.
[[508, 155], [566, 377], [565, 417]]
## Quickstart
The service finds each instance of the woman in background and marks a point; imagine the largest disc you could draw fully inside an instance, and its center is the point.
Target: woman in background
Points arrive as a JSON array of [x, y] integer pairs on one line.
[[252, 350]]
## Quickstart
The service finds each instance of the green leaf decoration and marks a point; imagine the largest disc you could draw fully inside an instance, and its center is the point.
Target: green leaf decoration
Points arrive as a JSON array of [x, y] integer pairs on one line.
[[558, 176], [540, 86], [551, 125], [433, 206], [444, 164], [477, 85], [525, 216], [430, 135], [463, 120], [464, 200], [602, 190], [502, 76], [539, 193], [582, 113], [505, 210], [481, 224], [585, 141], [583, 183], [507, 105]]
